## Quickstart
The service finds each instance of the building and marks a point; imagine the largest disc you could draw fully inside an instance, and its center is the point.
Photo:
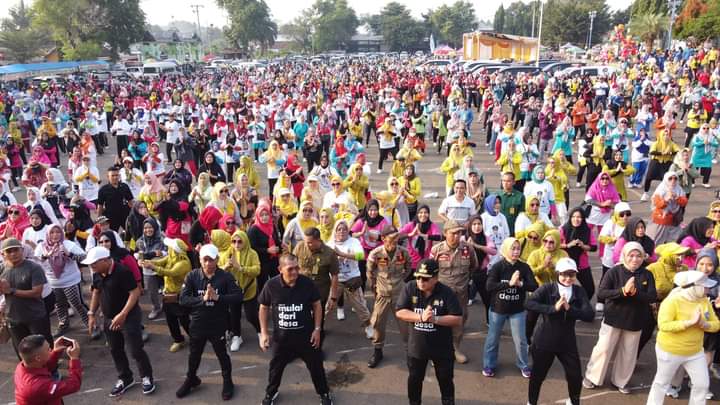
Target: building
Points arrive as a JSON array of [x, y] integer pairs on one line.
[[491, 45], [367, 43]]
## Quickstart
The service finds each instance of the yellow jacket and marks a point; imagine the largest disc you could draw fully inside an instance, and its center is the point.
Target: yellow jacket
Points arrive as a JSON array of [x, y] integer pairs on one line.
[[173, 268], [243, 264], [528, 246], [414, 188], [668, 264], [558, 175], [674, 335], [536, 260], [356, 187], [508, 165]]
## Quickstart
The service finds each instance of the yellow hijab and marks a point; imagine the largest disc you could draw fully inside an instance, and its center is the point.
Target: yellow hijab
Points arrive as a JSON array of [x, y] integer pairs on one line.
[[506, 249], [716, 231], [222, 240], [327, 229], [247, 168]]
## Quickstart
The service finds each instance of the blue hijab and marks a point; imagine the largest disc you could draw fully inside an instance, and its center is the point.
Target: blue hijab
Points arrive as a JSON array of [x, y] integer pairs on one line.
[[489, 204]]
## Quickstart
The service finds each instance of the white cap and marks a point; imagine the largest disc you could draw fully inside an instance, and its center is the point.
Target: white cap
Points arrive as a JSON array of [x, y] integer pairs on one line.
[[95, 254], [622, 207], [209, 251], [693, 277], [565, 264]]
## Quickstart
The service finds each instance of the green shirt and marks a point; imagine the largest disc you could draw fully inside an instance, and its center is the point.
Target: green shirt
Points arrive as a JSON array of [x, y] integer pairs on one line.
[[511, 205]]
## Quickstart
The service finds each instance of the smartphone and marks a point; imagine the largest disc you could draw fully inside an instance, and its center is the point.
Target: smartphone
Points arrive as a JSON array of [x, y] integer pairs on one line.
[[66, 342]]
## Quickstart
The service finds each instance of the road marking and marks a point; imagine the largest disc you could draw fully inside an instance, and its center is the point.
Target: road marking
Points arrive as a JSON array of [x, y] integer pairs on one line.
[[599, 394], [91, 390], [361, 348]]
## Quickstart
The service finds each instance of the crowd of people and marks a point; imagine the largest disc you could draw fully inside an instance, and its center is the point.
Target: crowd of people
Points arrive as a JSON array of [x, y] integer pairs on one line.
[[183, 222]]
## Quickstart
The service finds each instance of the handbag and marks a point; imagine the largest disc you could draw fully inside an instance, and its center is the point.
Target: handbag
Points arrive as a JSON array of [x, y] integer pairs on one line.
[[353, 284], [4, 331]]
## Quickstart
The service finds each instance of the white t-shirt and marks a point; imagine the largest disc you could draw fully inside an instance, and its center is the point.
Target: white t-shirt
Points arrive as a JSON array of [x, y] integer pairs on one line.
[[459, 211], [173, 131], [610, 228], [543, 191], [495, 229], [71, 274], [88, 188], [348, 267], [34, 236]]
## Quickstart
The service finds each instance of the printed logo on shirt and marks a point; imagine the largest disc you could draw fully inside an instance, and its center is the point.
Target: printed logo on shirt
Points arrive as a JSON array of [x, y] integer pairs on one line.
[[509, 294], [288, 316], [425, 326]]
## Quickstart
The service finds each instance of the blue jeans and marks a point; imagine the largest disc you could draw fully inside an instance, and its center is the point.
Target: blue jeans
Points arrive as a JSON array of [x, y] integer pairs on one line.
[[492, 343], [640, 168]]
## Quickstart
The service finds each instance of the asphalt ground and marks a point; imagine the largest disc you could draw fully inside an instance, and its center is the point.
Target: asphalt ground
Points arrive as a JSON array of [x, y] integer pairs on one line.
[[346, 348]]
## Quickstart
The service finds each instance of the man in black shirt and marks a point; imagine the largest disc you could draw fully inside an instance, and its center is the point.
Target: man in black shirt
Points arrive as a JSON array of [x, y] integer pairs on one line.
[[434, 310], [115, 199], [21, 281], [209, 292], [297, 318], [114, 290]]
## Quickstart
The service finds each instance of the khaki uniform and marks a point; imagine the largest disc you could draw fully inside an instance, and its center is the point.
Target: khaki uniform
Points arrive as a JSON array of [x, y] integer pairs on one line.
[[318, 266], [456, 266], [388, 274]]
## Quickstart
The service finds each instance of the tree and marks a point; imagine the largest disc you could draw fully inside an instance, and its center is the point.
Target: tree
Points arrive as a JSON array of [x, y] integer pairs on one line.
[[334, 23], [519, 18], [250, 24], [648, 28], [400, 31], [640, 7], [91, 23], [301, 31], [567, 21], [21, 40], [700, 21], [449, 23], [620, 17], [499, 20]]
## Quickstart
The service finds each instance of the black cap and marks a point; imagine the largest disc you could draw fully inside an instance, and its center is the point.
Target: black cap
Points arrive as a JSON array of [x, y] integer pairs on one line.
[[427, 268]]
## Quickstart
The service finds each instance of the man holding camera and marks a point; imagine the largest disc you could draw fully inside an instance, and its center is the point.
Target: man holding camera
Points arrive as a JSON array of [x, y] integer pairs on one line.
[[34, 382]]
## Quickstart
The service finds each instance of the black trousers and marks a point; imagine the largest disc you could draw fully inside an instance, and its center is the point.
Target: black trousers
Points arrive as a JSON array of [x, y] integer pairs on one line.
[[177, 316], [479, 286], [585, 278], [18, 331], [647, 331], [197, 346], [122, 144], [443, 373], [131, 332], [251, 313], [284, 353], [543, 360], [531, 319]]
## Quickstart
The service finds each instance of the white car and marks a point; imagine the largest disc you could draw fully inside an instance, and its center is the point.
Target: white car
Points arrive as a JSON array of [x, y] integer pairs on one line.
[[434, 64]]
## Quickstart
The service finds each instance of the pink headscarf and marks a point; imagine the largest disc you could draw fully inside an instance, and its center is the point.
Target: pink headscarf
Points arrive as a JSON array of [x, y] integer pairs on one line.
[[599, 193]]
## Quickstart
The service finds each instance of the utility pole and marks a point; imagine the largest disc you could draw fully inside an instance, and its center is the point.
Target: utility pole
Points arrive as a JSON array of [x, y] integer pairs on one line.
[[537, 60], [592, 15], [532, 30], [673, 6], [196, 9]]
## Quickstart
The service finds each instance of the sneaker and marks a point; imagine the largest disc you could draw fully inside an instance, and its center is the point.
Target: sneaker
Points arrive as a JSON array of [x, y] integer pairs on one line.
[[578, 185], [154, 314], [16, 189], [369, 332], [694, 185], [624, 390], [188, 385], [71, 312], [96, 334], [715, 370], [588, 384], [120, 388], [236, 343], [270, 399], [488, 372], [599, 307], [644, 197], [714, 161], [228, 390], [145, 336], [176, 347], [706, 185], [148, 385], [526, 372], [673, 392], [709, 395], [341, 314], [325, 399], [460, 357], [470, 302], [379, 171]]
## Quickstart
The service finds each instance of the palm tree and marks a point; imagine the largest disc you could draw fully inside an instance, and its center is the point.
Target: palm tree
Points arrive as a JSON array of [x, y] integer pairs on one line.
[[648, 27]]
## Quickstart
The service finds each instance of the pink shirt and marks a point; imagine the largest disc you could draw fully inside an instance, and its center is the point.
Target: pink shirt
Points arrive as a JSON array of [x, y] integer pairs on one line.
[[689, 260], [371, 238], [583, 262], [414, 254]]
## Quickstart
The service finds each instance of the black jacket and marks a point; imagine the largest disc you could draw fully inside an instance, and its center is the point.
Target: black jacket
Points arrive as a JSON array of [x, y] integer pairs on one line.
[[505, 299], [627, 312], [556, 333], [209, 318]]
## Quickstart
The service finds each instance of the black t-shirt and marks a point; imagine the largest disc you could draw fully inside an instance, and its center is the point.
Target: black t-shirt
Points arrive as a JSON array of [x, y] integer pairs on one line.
[[291, 308], [114, 289], [115, 201], [428, 340]]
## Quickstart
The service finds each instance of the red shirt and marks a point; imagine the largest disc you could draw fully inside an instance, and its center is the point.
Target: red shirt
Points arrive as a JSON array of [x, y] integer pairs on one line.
[[36, 386]]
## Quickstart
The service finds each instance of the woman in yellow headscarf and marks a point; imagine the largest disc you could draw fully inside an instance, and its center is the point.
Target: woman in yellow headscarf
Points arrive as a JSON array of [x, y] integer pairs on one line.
[[295, 229], [714, 214], [222, 201], [532, 239], [244, 264], [510, 159], [173, 268], [283, 181], [556, 172], [287, 207], [313, 193], [542, 261], [247, 167], [450, 165], [274, 158], [326, 224], [357, 184], [662, 152], [530, 216], [201, 194], [670, 256]]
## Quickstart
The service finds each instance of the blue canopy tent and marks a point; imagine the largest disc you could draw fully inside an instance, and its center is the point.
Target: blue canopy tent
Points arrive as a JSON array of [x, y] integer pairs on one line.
[[22, 71]]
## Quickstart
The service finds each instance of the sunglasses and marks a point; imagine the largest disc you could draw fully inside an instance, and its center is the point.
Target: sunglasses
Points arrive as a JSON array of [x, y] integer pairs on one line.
[[605, 178], [533, 237], [549, 241], [625, 214], [230, 223], [673, 178], [716, 211], [13, 212], [307, 210], [394, 184], [224, 191], [335, 184]]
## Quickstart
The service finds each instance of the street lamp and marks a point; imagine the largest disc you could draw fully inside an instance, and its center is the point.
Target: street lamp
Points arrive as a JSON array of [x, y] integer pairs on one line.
[[537, 60], [591, 15], [673, 6]]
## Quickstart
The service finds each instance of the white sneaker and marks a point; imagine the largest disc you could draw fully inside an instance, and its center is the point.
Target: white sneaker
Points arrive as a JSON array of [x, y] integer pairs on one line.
[[470, 302], [715, 161], [16, 189], [709, 395], [341, 314], [578, 185], [693, 186], [369, 332], [379, 171], [706, 185], [599, 307], [673, 392], [71, 311], [153, 314], [434, 143], [236, 343], [644, 197]]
